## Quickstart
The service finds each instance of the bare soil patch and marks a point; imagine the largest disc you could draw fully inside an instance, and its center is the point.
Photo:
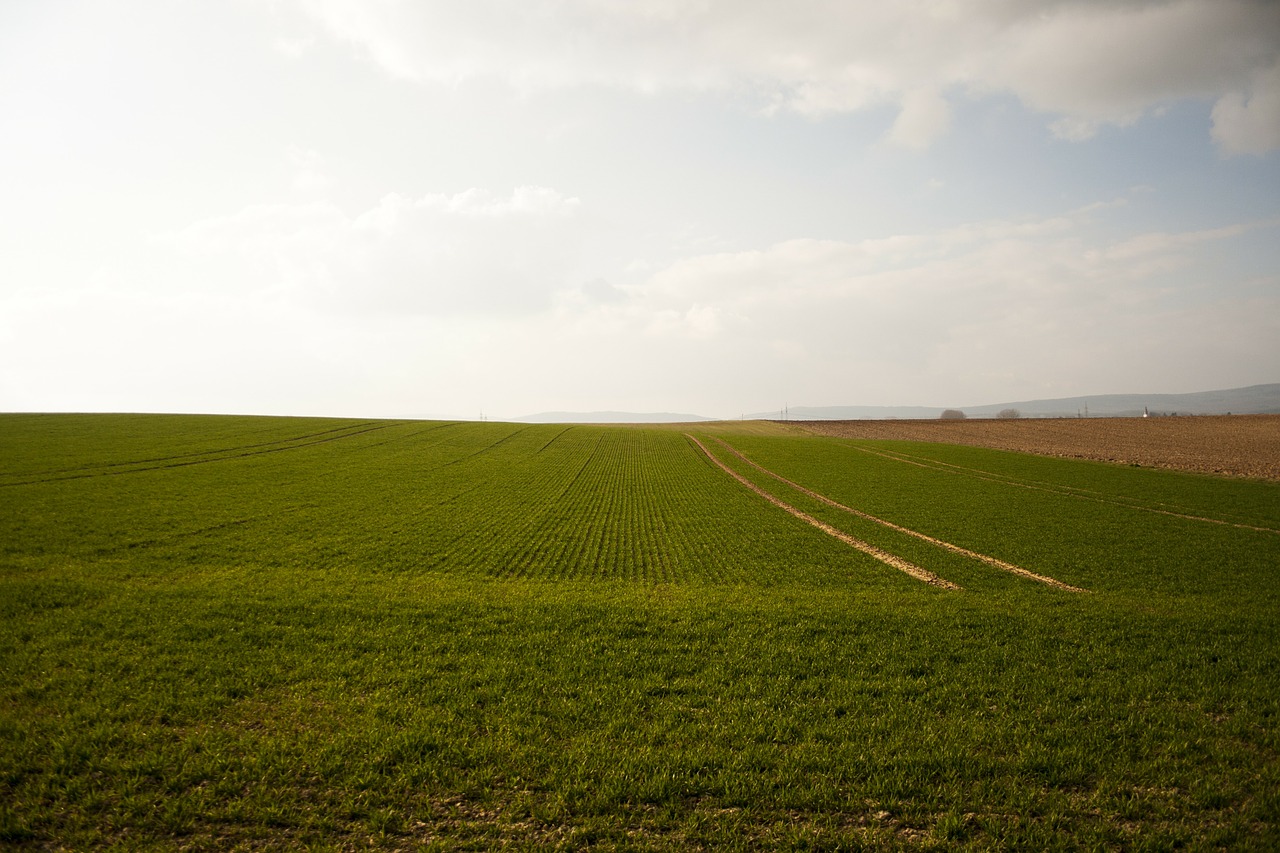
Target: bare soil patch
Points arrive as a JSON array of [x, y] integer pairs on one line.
[[1226, 445]]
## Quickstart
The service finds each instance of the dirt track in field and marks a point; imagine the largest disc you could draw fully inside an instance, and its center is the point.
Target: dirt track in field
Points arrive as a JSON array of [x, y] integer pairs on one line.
[[948, 546], [880, 554], [1226, 445]]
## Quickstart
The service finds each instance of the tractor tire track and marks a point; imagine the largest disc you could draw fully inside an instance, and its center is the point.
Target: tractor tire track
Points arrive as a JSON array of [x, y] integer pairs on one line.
[[508, 437], [230, 457], [1065, 491], [554, 439], [947, 546], [531, 546], [867, 548], [90, 470]]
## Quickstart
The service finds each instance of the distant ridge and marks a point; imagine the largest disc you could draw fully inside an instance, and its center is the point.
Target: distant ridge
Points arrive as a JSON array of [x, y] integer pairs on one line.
[[610, 418], [1251, 400]]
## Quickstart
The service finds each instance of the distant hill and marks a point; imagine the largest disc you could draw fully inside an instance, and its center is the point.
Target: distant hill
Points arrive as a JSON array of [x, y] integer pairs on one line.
[[610, 418], [1253, 400], [848, 413]]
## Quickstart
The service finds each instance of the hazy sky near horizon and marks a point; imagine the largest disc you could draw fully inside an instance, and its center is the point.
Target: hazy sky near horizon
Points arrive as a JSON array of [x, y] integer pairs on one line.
[[414, 209]]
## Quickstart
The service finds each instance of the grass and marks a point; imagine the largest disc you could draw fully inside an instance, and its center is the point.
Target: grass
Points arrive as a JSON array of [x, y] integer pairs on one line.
[[238, 632]]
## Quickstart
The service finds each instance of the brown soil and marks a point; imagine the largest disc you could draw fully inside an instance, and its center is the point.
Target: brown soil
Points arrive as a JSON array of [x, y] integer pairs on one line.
[[1226, 445]]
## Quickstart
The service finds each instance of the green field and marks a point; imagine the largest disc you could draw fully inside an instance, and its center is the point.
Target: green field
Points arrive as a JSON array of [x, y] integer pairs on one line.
[[225, 632]]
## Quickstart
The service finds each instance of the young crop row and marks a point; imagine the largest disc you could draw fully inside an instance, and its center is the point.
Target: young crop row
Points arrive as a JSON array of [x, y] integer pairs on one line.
[[484, 500], [910, 569], [41, 457], [448, 635], [596, 503], [889, 558], [1091, 525], [1220, 514], [552, 502]]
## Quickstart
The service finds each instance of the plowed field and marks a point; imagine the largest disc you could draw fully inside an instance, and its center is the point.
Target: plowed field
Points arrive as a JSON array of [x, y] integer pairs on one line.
[[1228, 445]]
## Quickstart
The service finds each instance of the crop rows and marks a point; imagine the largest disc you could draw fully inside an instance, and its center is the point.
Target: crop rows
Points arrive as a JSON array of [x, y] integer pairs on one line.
[[1087, 524], [556, 502], [1159, 507], [890, 559], [880, 554], [485, 500], [467, 636], [148, 459], [587, 504]]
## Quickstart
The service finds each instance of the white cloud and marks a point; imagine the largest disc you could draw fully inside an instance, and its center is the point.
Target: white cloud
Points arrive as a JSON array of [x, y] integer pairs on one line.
[[959, 315], [1110, 63], [438, 254], [1083, 64], [294, 48], [309, 175], [1161, 243], [1249, 122], [924, 117], [975, 313]]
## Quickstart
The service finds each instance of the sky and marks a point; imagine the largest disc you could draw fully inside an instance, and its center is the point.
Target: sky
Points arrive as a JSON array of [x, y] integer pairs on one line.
[[375, 208]]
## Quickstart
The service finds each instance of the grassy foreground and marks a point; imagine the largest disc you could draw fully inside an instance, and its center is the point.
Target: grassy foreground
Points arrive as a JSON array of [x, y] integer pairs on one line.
[[240, 632]]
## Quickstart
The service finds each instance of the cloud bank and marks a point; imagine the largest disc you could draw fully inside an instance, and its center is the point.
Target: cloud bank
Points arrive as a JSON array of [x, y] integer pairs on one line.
[[471, 252], [443, 304], [1083, 65], [708, 207]]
